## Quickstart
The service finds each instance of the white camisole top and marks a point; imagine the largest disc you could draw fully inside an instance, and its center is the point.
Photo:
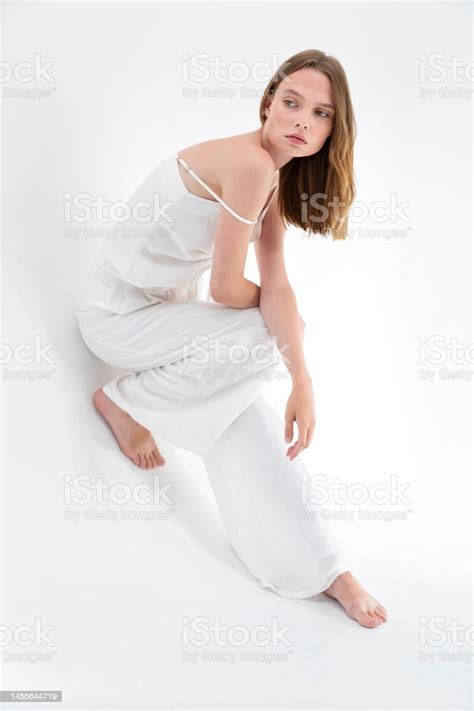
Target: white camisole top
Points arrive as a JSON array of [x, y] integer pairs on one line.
[[163, 259]]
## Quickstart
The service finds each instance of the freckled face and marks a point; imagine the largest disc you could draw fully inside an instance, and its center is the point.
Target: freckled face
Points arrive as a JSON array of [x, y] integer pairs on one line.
[[307, 112]]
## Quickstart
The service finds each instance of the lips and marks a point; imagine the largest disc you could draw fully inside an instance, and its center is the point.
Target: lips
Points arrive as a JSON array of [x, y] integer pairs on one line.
[[296, 137]]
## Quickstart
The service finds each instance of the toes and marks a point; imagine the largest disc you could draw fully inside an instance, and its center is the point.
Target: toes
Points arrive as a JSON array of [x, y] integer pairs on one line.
[[145, 461], [377, 618], [380, 609], [159, 457], [366, 619], [380, 606], [131, 455], [369, 620]]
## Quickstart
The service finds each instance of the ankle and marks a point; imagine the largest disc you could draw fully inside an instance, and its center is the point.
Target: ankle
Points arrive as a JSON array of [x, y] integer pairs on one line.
[[342, 581]]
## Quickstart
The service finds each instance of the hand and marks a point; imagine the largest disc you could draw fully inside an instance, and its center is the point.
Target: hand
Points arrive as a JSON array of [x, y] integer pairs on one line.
[[300, 407]]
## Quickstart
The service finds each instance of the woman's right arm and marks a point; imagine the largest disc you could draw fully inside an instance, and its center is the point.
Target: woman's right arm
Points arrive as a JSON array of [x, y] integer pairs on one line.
[[245, 190]]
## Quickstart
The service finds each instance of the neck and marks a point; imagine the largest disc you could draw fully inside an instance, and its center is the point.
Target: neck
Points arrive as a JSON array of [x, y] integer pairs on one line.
[[279, 159]]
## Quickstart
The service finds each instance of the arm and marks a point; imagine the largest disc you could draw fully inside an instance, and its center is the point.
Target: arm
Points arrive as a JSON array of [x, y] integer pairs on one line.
[[279, 309], [245, 190], [277, 298], [244, 295]]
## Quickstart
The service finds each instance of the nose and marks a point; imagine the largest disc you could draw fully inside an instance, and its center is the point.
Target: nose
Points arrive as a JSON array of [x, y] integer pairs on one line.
[[302, 121]]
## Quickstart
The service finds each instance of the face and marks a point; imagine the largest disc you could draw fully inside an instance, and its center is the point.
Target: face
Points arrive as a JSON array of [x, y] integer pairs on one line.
[[307, 112]]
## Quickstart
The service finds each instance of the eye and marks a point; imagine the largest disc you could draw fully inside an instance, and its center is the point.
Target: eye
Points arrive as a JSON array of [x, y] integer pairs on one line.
[[324, 114]]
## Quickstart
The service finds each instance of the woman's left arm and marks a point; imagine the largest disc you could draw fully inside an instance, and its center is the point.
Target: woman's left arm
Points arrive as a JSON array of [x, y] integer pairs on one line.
[[280, 312], [279, 309], [277, 300]]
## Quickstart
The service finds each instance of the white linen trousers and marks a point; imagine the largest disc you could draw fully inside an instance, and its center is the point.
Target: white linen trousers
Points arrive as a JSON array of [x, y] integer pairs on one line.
[[196, 371]]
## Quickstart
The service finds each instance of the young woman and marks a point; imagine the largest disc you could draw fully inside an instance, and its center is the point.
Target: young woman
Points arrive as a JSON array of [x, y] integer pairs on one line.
[[198, 366]]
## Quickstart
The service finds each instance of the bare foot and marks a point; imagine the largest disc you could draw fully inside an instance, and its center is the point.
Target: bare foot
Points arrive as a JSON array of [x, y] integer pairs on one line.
[[135, 441], [356, 601]]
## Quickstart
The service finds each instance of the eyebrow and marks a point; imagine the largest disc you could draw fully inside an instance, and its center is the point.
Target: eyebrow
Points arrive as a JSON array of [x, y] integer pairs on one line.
[[318, 103]]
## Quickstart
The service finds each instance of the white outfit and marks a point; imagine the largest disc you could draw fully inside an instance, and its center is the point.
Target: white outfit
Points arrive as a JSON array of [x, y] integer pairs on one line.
[[141, 311]]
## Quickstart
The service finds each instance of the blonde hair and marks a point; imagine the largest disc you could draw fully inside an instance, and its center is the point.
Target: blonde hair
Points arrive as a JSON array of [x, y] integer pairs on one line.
[[329, 171]]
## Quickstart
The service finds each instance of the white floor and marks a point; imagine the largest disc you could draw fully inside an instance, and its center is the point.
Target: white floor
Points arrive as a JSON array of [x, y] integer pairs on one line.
[[119, 595]]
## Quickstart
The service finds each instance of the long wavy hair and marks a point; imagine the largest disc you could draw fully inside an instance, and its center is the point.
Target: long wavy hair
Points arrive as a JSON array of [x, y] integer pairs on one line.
[[326, 177]]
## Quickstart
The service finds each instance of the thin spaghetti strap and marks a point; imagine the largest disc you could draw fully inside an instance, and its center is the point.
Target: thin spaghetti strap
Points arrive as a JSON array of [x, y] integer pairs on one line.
[[188, 168]]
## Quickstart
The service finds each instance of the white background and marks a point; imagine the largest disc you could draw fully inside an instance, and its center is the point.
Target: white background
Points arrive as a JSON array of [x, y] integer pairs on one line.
[[116, 593]]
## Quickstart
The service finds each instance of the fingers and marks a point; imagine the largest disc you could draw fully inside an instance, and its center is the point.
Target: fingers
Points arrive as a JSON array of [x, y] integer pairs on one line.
[[296, 448], [310, 436], [305, 436], [288, 430]]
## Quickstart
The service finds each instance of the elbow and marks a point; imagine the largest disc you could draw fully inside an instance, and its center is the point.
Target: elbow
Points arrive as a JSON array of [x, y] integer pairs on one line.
[[221, 296], [223, 293]]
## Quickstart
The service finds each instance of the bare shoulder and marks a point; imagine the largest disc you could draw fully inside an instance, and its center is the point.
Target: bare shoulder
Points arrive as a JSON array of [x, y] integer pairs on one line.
[[233, 156], [251, 163], [248, 180], [237, 169]]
